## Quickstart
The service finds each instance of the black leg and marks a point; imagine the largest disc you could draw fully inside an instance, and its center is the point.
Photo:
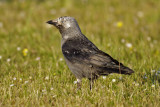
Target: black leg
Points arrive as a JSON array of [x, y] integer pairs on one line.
[[91, 80], [91, 84]]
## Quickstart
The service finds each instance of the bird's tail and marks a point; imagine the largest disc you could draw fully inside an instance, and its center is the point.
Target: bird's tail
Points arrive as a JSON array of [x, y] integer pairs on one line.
[[125, 70], [116, 69]]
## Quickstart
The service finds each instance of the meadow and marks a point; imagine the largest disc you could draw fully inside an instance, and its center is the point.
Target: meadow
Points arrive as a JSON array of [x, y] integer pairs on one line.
[[32, 68]]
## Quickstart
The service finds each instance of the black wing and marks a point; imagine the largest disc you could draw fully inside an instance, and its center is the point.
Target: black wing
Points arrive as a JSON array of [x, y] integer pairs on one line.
[[85, 52]]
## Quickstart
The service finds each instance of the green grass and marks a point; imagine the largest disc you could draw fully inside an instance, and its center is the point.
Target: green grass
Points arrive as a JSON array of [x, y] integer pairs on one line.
[[25, 81]]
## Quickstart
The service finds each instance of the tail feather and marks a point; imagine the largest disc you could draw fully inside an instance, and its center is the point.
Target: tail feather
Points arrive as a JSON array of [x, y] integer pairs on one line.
[[117, 69], [125, 70]]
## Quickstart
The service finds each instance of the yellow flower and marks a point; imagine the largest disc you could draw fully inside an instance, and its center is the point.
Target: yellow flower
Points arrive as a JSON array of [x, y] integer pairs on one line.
[[25, 52], [119, 24], [54, 74]]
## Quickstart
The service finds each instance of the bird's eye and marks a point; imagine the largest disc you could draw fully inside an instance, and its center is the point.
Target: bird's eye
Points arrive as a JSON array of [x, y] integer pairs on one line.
[[60, 19]]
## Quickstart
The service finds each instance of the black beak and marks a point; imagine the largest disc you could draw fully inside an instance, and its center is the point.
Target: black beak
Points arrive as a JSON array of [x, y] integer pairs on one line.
[[52, 22], [49, 22]]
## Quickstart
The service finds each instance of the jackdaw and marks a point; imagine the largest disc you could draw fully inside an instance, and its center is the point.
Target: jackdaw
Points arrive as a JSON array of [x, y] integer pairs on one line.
[[83, 58]]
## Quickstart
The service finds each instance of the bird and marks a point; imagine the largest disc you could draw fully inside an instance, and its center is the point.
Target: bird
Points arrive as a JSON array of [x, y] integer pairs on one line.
[[83, 58]]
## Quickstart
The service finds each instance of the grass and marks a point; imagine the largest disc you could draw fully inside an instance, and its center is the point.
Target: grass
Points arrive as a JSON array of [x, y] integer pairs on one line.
[[41, 78]]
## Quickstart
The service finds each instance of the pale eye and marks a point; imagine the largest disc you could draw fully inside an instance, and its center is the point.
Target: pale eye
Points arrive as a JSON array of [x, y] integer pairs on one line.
[[62, 20]]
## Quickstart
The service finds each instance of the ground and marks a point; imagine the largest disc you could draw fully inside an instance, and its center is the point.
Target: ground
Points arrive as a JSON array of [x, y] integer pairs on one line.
[[32, 68]]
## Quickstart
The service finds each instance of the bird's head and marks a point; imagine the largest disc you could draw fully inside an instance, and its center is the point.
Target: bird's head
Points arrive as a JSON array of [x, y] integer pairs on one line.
[[64, 24]]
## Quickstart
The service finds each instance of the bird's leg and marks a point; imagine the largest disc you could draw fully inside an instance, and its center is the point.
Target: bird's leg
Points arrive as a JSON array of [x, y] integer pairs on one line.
[[79, 84], [91, 84], [91, 81]]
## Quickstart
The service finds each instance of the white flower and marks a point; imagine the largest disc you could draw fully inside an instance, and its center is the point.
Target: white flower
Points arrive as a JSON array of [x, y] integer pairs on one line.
[[145, 77], [149, 38], [30, 77], [51, 88], [158, 72], [44, 90], [61, 59], [11, 85], [104, 77], [113, 80], [0, 57], [14, 78], [75, 82], [122, 40], [18, 48], [153, 71], [38, 58], [1, 24], [22, 14], [8, 60], [129, 45], [136, 84], [26, 82], [153, 86], [140, 14], [47, 78], [54, 96], [20, 79], [108, 44]]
